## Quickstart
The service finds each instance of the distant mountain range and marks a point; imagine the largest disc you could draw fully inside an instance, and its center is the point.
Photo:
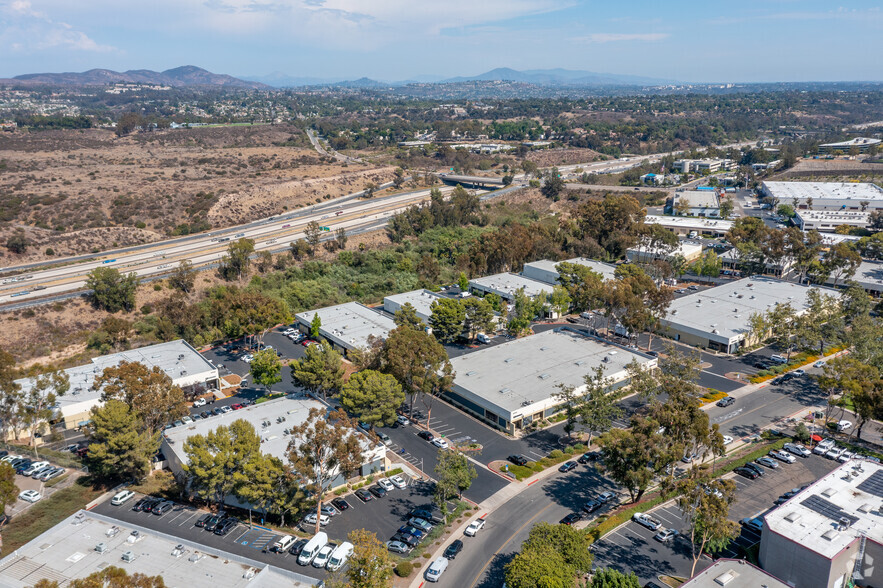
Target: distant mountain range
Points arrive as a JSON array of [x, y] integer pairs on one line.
[[187, 75], [539, 77]]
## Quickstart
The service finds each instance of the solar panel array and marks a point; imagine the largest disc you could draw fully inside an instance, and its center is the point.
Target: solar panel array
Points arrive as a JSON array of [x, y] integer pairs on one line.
[[873, 484], [827, 508]]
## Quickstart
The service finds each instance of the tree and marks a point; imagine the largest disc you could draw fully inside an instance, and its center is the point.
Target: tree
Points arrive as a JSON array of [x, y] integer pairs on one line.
[[708, 265], [419, 363], [121, 448], [235, 264], [320, 370], [372, 397], [559, 300], [322, 448], [38, 402], [265, 368], [340, 238], [313, 234], [758, 327], [150, 392], [111, 291], [611, 578], [598, 409], [478, 316], [10, 395], [706, 508], [553, 185], [841, 261], [628, 454], [258, 481], [128, 122], [316, 326], [369, 566], [783, 325], [726, 207], [214, 459], [109, 577], [265, 261], [184, 277], [300, 249], [463, 282], [407, 316], [8, 488], [447, 318], [552, 557], [17, 242], [582, 284], [454, 474]]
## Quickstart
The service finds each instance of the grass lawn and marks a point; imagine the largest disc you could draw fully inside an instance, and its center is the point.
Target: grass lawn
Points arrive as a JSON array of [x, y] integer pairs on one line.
[[47, 513]]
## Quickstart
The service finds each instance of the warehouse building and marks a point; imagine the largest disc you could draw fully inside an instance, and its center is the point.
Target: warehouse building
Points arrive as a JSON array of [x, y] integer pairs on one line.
[[87, 542], [868, 275], [347, 326], [421, 300], [510, 386], [271, 420], [718, 318], [733, 573], [546, 271], [826, 195], [703, 165], [182, 363], [831, 533], [696, 203], [686, 226], [505, 286], [827, 221], [689, 250]]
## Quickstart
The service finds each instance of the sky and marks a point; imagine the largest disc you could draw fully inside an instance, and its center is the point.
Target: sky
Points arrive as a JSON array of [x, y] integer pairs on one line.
[[685, 40]]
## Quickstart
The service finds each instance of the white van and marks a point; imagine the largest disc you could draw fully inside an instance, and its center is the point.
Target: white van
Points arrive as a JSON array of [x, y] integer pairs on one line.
[[339, 556], [312, 547], [436, 569], [282, 544], [482, 338]]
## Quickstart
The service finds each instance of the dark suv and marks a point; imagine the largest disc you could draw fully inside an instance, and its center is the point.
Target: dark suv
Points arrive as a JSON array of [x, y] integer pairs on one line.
[[453, 549], [726, 401], [518, 460], [225, 526]]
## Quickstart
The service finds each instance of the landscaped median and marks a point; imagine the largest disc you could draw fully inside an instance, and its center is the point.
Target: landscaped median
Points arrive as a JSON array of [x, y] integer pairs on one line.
[[554, 458], [798, 360], [604, 525]]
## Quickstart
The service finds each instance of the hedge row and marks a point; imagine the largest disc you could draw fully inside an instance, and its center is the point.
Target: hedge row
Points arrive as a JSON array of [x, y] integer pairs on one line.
[[554, 458], [800, 359]]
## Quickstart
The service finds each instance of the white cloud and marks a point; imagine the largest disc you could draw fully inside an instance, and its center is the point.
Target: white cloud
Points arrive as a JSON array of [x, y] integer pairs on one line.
[[24, 29], [616, 37]]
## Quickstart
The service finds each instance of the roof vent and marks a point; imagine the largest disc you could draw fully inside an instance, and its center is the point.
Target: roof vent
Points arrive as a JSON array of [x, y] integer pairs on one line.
[[544, 348], [865, 508], [580, 362], [611, 353], [472, 373], [505, 390], [829, 492], [725, 578], [544, 376], [792, 517], [830, 535], [509, 360]]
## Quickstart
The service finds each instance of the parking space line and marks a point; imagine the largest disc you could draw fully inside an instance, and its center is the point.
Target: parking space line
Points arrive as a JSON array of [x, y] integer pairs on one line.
[[188, 519], [241, 536]]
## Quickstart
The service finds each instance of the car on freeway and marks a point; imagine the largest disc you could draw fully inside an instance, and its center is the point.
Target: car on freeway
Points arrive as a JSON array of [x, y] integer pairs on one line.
[[398, 482], [797, 449], [767, 462], [782, 456], [474, 527], [30, 496], [441, 443], [453, 549], [386, 484], [606, 497], [747, 472], [398, 547], [378, 491], [518, 460], [426, 435], [726, 401], [121, 497], [665, 535], [571, 518], [364, 495], [646, 520], [567, 466]]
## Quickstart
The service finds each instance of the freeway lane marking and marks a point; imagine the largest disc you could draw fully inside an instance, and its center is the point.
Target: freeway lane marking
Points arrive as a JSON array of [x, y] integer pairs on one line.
[[503, 546]]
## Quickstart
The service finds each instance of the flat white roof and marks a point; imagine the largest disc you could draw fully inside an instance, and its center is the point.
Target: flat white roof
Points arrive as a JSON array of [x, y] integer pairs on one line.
[[528, 371], [421, 300], [178, 359], [857, 142], [690, 222], [548, 267], [263, 417], [811, 518], [67, 552], [721, 313], [786, 192], [689, 249], [733, 573], [349, 325], [855, 216], [869, 275], [698, 198], [507, 284]]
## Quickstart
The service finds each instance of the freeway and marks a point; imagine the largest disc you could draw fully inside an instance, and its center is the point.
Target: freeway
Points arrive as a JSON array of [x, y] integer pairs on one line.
[[271, 234]]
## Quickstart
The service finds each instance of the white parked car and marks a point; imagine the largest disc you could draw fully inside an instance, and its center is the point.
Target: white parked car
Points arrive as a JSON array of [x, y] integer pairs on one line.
[[324, 555], [403, 420], [30, 496], [797, 449], [386, 484], [823, 447], [436, 569], [835, 452], [121, 497], [845, 456], [646, 520], [727, 439], [783, 456], [440, 443], [844, 426], [200, 402], [474, 527], [398, 482], [310, 519]]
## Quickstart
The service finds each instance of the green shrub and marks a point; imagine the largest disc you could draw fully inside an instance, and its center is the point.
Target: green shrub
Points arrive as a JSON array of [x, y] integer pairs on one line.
[[569, 451], [404, 569], [579, 447], [556, 454]]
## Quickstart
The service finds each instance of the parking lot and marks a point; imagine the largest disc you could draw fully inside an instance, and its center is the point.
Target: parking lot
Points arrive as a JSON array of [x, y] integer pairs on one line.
[[28, 483], [382, 516], [632, 547]]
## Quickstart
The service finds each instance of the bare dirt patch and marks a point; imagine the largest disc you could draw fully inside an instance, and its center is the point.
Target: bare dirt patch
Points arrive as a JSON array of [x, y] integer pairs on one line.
[[549, 157]]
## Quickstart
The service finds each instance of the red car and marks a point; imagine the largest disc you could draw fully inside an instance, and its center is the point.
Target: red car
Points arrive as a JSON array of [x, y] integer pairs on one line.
[[308, 342], [236, 406]]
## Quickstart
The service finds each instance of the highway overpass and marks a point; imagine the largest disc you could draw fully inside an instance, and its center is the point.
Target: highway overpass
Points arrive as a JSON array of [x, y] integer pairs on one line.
[[471, 181]]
